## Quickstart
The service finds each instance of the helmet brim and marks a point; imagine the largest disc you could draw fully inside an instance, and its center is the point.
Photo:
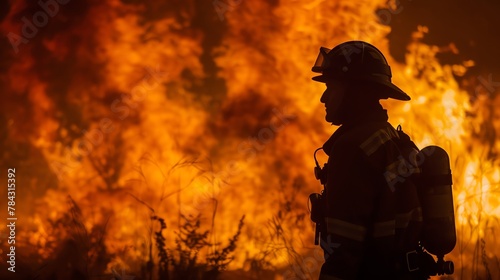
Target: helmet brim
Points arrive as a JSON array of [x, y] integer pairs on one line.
[[392, 91]]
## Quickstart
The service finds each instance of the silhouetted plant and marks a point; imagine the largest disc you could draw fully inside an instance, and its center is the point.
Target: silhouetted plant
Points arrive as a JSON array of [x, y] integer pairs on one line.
[[79, 253], [484, 259], [219, 260], [162, 252], [190, 240]]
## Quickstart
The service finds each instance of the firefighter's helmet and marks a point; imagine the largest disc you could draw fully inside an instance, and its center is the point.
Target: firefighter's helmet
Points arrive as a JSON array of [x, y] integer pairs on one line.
[[357, 61]]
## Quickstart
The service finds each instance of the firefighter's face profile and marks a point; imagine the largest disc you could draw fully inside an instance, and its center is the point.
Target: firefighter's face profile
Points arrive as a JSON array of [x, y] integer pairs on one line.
[[332, 98]]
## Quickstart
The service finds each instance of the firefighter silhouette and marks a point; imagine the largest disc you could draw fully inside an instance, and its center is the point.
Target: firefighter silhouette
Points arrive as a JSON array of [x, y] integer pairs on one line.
[[371, 206]]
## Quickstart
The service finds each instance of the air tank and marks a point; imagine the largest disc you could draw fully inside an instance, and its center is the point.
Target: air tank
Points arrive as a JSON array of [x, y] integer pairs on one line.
[[436, 198]]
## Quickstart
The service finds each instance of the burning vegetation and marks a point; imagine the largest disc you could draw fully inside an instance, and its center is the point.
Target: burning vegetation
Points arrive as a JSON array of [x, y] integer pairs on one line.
[[174, 139]]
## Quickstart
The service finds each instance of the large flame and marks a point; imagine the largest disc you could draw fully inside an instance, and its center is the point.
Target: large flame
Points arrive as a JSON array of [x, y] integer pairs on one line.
[[118, 110]]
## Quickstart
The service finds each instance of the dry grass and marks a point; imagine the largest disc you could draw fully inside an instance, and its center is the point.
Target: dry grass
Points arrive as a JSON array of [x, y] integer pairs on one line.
[[183, 261]]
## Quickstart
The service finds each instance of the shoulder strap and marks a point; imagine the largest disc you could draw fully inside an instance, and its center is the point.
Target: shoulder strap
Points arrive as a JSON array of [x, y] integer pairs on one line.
[[404, 140]]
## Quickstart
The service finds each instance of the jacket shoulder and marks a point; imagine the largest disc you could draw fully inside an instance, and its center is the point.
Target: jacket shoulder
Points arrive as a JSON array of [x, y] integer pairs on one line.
[[368, 137], [373, 143]]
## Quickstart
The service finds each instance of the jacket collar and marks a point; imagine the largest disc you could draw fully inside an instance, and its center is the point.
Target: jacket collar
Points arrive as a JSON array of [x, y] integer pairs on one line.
[[379, 115]]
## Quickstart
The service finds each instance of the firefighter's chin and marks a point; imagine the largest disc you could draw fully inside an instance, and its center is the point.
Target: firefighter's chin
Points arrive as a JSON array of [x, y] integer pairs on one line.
[[332, 118]]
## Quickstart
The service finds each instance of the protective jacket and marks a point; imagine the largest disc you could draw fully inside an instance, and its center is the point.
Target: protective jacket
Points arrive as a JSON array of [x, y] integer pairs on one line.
[[372, 220]]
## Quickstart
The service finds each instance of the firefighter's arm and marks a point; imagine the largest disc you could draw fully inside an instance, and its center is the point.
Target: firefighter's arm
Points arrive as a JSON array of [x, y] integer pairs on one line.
[[350, 201]]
